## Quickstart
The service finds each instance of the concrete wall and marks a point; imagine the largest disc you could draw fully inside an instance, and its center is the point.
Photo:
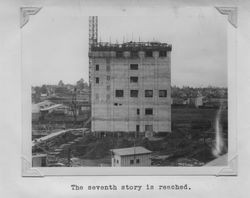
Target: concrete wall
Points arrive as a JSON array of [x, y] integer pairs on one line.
[[153, 74]]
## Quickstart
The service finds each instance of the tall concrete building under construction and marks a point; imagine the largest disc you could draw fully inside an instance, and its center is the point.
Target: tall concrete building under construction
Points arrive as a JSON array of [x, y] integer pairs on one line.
[[130, 87]]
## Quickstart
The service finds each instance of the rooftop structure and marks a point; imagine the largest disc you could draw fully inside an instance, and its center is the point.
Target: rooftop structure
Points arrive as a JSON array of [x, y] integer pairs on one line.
[[131, 46]]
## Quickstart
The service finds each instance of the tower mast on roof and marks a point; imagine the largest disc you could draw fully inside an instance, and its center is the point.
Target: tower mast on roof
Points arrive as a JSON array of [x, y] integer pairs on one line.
[[93, 39], [93, 31]]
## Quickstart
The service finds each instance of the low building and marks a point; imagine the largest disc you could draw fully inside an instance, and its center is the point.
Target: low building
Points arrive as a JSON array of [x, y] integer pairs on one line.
[[39, 160], [36, 108], [196, 101], [177, 101], [132, 156], [83, 96], [43, 96], [56, 109]]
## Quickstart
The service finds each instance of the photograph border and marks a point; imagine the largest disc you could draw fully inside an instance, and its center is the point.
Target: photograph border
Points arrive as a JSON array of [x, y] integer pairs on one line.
[[231, 169]]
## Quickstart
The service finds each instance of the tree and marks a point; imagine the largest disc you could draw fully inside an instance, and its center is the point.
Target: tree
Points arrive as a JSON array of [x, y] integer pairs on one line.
[[81, 84], [44, 89], [61, 84]]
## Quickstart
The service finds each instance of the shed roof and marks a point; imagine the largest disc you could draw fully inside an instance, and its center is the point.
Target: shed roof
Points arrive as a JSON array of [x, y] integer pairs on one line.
[[131, 151], [39, 155], [51, 107]]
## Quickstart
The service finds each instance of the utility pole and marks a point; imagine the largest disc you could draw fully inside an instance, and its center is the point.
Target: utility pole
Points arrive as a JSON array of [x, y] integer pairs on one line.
[[74, 106], [69, 157]]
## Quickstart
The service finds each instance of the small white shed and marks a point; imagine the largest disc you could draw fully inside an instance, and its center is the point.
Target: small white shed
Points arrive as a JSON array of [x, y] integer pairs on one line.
[[132, 156]]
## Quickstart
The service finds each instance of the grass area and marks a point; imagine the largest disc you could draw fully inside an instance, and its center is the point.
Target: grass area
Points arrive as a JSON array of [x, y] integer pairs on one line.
[[195, 114]]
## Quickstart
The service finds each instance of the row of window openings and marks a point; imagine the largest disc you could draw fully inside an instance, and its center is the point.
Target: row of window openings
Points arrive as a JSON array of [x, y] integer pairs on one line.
[[148, 53], [132, 67], [137, 161], [148, 111], [147, 128], [97, 67], [135, 93], [133, 79]]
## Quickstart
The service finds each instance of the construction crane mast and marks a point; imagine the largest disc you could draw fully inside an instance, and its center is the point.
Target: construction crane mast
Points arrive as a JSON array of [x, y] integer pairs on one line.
[[93, 31], [93, 39], [93, 35]]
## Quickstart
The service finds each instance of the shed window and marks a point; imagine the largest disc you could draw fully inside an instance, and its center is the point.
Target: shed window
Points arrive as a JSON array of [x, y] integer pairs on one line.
[[134, 79], [148, 93], [134, 66], [137, 161], [162, 93], [131, 161], [118, 93], [97, 67], [148, 111], [97, 80], [134, 93], [138, 111]]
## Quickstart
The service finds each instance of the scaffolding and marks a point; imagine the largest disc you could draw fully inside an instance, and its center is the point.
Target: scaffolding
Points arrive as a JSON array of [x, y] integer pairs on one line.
[[93, 39], [130, 46]]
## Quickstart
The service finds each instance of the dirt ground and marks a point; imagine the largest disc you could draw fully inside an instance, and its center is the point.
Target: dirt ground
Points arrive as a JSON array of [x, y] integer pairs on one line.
[[190, 143]]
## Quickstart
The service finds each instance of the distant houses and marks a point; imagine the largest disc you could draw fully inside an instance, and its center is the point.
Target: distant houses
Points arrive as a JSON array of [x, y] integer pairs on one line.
[[192, 101], [61, 99], [199, 102], [178, 101], [202, 97], [36, 108], [196, 101], [47, 107]]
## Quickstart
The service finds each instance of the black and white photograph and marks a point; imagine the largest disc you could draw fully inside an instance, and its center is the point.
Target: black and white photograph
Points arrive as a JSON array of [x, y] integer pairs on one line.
[[128, 91], [114, 98]]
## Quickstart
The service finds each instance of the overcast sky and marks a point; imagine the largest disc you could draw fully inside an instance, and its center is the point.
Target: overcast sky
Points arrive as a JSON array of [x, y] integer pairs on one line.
[[55, 43]]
